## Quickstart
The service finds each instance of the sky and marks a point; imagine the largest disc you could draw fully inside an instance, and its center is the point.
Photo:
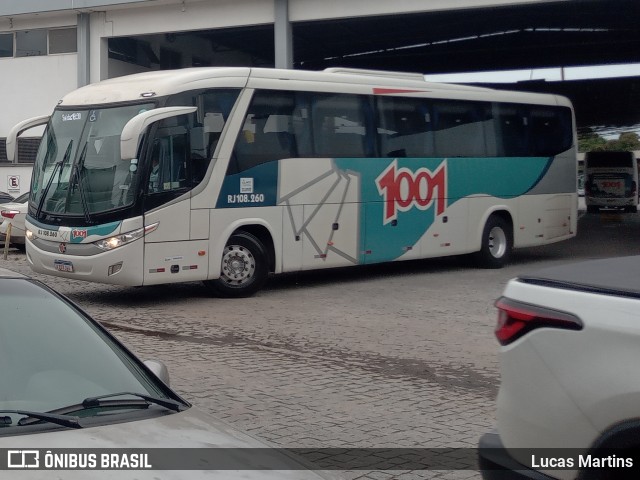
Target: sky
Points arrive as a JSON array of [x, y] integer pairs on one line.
[[548, 74]]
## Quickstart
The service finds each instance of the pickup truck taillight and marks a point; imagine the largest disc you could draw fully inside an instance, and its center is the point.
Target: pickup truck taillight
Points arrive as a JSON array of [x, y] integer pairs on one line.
[[516, 319]]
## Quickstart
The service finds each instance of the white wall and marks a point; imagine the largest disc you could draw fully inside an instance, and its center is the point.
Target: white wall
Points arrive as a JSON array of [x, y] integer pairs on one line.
[[13, 23], [32, 86], [12, 173], [193, 15]]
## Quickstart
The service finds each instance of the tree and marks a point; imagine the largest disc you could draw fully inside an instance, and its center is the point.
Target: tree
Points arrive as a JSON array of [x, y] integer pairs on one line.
[[592, 142], [628, 141]]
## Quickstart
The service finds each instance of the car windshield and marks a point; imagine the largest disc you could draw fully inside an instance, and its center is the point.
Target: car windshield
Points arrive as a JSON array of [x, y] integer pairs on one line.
[[22, 198], [52, 356], [78, 169]]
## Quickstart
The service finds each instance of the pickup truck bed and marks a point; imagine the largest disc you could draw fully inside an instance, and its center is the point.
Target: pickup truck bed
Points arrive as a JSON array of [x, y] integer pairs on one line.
[[612, 276]]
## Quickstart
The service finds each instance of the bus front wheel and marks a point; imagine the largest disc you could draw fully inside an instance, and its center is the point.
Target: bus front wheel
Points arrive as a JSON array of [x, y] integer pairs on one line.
[[243, 269], [497, 243]]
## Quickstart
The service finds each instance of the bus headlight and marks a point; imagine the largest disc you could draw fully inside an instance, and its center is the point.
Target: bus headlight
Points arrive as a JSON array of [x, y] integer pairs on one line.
[[124, 238], [30, 235]]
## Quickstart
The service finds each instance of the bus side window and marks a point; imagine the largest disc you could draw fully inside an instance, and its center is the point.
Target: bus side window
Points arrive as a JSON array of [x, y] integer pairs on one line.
[[168, 163], [511, 130], [459, 128], [550, 131], [268, 133], [404, 127], [285, 124], [339, 128], [199, 141], [301, 127], [204, 129]]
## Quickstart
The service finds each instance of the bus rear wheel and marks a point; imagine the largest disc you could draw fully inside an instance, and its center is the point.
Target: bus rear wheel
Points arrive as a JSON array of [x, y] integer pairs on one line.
[[497, 243], [243, 269]]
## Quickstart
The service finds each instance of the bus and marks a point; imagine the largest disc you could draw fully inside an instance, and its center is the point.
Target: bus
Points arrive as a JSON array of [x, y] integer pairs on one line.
[[611, 181], [226, 175]]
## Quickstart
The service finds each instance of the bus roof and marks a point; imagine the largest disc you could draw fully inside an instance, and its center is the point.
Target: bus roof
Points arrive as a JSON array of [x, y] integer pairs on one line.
[[139, 86]]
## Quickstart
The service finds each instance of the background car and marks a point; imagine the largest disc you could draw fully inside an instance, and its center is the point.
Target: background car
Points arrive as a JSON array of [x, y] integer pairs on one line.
[[569, 399], [14, 212], [5, 197], [67, 383]]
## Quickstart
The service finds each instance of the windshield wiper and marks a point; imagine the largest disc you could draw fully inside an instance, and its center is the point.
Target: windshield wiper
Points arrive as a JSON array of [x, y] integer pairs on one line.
[[109, 401], [99, 401], [77, 176], [58, 165], [63, 420], [60, 416]]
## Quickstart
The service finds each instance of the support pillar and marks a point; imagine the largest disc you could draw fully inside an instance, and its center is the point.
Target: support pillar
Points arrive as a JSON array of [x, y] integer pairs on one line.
[[283, 36], [83, 49]]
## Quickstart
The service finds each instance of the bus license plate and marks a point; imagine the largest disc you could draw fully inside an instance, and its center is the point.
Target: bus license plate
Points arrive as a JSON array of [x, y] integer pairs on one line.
[[63, 265], [48, 234]]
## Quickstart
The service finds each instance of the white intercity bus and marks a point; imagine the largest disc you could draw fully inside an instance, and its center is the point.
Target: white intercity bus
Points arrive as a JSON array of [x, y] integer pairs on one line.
[[227, 174], [611, 181]]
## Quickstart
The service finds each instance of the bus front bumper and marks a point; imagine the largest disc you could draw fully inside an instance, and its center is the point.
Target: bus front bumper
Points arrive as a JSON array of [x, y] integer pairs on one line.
[[120, 266]]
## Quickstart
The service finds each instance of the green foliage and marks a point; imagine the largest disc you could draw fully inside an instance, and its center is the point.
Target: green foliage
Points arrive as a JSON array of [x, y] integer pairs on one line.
[[592, 142]]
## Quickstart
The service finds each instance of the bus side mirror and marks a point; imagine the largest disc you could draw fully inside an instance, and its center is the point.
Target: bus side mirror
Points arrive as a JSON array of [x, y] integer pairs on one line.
[[132, 131], [14, 133]]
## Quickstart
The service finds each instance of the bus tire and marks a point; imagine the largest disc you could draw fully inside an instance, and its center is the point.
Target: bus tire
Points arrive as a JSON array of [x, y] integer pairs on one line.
[[497, 243], [243, 269]]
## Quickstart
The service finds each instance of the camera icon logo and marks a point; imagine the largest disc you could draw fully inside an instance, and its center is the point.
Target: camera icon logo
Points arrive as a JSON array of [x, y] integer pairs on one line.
[[23, 459]]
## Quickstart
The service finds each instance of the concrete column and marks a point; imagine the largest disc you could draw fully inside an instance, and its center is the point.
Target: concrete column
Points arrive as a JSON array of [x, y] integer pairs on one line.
[[283, 37], [83, 49], [103, 59]]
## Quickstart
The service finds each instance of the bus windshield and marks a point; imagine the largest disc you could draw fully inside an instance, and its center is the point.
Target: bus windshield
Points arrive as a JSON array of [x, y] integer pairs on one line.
[[78, 170], [610, 160]]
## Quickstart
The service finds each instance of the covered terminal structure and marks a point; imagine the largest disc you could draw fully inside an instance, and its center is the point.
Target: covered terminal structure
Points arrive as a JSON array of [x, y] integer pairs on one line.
[[50, 47]]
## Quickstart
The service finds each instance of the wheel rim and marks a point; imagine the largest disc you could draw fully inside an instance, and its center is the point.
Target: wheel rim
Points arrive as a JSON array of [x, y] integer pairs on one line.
[[497, 242], [238, 265]]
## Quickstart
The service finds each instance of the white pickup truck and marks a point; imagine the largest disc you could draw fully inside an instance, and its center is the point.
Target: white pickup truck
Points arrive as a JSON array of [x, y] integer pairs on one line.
[[569, 400]]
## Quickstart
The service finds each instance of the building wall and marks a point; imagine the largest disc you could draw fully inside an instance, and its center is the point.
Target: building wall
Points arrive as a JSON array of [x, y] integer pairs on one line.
[[32, 86], [15, 179], [193, 15]]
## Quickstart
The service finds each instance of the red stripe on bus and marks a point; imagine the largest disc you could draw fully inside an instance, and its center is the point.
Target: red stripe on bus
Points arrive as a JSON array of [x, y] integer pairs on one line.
[[385, 91]]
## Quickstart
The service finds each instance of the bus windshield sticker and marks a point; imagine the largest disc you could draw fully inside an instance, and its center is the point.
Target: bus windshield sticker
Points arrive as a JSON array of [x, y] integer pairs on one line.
[[69, 117]]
